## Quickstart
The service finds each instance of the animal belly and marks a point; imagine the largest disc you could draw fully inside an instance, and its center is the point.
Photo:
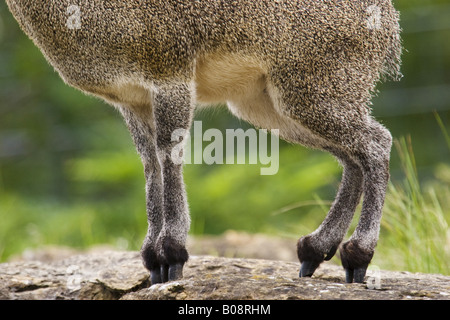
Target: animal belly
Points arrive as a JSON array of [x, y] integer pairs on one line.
[[220, 78]]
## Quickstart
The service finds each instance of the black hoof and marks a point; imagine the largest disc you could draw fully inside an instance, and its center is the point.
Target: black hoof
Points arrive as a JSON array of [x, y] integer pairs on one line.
[[309, 257], [175, 272], [155, 276], [307, 268], [166, 273], [355, 261], [167, 266], [355, 275]]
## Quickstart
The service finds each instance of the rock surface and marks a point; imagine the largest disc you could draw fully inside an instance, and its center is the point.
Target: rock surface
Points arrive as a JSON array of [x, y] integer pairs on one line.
[[120, 275]]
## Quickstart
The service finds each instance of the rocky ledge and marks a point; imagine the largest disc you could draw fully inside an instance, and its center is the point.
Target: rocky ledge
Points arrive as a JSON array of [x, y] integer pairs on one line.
[[110, 275]]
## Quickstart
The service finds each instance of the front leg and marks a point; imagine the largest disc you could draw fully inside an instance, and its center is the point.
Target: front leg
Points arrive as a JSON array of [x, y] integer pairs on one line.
[[141, 124], [173, 110]]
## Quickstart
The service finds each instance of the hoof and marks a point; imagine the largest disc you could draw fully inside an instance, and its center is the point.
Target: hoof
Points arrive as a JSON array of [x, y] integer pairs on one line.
[[167, 266], [155, 276], [309, 257], [355, 275], [307, 268], [167, 273], [355, 261]]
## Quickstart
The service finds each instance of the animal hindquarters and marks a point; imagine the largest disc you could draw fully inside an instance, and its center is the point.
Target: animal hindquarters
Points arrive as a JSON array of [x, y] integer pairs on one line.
[[363, 147]]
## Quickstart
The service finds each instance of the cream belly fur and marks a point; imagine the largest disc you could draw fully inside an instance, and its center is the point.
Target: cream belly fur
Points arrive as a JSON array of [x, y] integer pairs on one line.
[[241, 82], [237, 80]]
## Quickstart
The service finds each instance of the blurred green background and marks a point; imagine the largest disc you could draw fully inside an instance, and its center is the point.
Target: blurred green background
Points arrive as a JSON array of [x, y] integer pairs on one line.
[[69, 173]]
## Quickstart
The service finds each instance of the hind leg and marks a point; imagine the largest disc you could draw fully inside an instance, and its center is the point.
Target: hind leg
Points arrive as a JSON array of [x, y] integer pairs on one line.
[[337, 115], [262, 109], [339, 122], [366, 169], [358, 251], [322, 243]]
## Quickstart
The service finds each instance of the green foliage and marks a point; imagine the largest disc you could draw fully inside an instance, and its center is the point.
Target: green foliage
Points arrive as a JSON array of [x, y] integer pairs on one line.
[[415, 234], [31, 224], [217, 203]]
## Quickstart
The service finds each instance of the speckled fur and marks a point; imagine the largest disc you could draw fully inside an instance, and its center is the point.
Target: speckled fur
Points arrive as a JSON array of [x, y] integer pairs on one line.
[[306, 67]]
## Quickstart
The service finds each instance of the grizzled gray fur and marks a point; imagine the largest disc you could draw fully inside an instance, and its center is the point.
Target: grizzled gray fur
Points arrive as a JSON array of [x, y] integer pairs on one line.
[[306, 67]]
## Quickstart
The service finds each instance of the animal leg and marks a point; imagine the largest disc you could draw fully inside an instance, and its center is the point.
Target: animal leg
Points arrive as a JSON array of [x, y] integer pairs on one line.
[[358, 251], [341, 123], [141, 124], [262, 110], [152, 125], [173, 110], [323, 243]]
